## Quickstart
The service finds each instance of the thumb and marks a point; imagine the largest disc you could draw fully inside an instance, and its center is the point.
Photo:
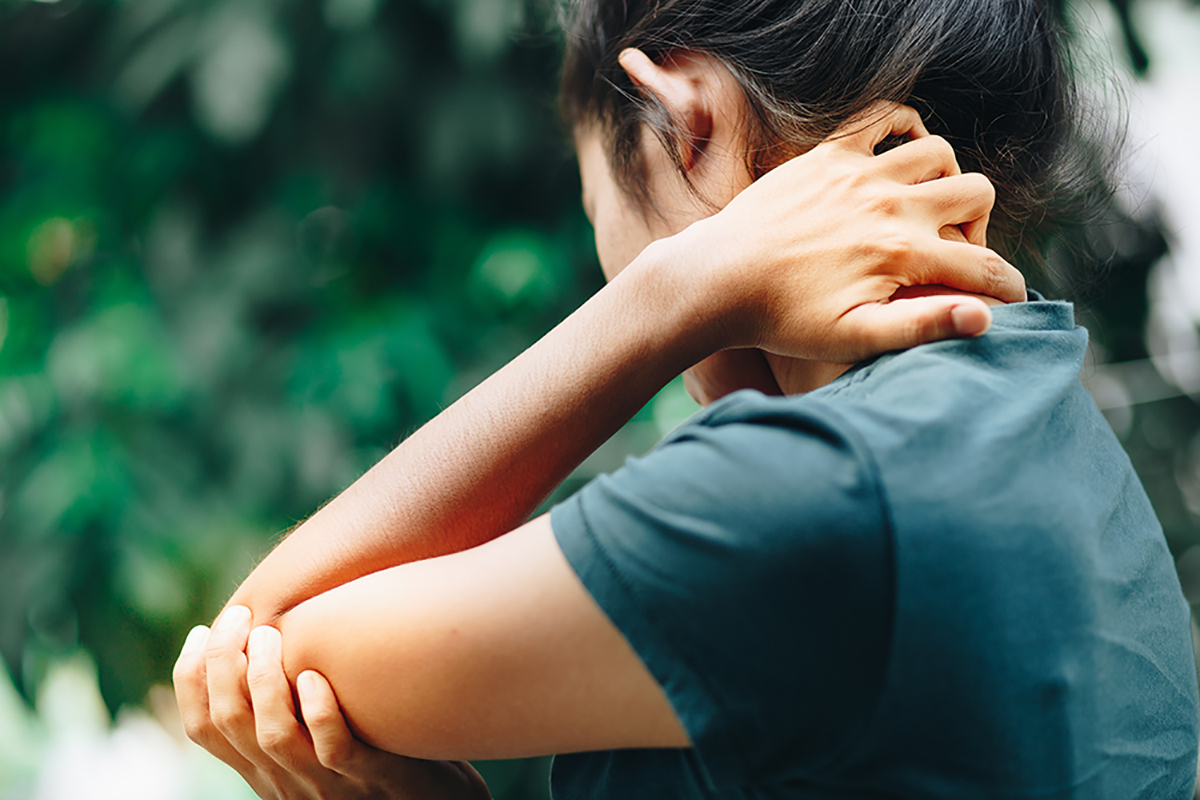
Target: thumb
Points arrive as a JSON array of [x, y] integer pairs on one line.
[[906, 323]]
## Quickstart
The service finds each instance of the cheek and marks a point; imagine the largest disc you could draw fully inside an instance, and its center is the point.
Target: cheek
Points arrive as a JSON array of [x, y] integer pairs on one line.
[[620, 237], [605, 251]]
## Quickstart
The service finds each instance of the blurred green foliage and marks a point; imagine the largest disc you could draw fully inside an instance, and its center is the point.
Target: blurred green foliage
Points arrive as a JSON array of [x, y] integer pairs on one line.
[[244, 247], [247, 245]]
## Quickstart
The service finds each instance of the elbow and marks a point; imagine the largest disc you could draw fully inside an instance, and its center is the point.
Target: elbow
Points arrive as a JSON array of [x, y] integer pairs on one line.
[[389, 701]]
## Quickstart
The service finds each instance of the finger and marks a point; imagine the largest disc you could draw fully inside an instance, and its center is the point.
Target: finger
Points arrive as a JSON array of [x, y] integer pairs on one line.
[[968, 232], [975, 230], [902, 324], [191, 693], [881, 120], [335, 745], [228, 695], [920, 160], [965, 200], [952, 233], [280, 736], [967, 268]]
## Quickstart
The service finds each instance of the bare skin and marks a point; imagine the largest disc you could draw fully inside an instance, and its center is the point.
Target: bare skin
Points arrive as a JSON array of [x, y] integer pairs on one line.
[[445, 636]]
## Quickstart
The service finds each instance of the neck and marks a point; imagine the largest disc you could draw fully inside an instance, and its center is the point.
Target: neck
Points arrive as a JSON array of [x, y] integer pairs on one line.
[[797, 376]]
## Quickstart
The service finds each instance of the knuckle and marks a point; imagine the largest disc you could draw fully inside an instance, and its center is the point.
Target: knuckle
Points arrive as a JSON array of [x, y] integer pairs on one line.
[[217, 651], [334, 755], [940, 147], [982, 186], [274, 740], [988, 188], [995, 273], [188, 670], [997, 267], [886, 205], [198, 731], [843, 176], [922, 329], [258, 681], [222, 662], [271, 787], [228, 717], [321, 719], [894, 248], [181, 675], [913, 332]]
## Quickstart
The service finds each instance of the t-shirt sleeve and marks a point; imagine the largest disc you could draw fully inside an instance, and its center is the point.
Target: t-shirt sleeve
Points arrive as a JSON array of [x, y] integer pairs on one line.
[[747, 560]]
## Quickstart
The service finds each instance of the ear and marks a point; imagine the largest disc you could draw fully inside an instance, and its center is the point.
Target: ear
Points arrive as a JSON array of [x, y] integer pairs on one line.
[[681, 84]]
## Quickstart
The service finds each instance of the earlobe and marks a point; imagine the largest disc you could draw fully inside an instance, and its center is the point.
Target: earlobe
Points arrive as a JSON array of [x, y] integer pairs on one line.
[[679, 86]]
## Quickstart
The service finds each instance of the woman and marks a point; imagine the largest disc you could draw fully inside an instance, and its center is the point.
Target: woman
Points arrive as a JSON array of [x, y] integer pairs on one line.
[[929, 574]]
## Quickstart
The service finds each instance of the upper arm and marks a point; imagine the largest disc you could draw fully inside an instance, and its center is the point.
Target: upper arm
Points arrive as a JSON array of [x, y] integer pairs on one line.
[[748, 563], [494, 652]]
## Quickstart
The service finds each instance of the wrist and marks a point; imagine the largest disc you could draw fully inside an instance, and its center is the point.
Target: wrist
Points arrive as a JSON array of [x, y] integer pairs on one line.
[[723, 291], [687, 311], [265, 606]]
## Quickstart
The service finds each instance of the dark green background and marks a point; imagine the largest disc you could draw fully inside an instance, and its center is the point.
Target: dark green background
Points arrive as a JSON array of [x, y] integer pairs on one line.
[[246, 246]]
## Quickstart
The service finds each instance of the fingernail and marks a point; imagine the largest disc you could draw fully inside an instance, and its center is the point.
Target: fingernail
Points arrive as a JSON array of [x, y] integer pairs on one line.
[[260, 640], [232, 618], [968, 320], [306, 685], [195, 639]]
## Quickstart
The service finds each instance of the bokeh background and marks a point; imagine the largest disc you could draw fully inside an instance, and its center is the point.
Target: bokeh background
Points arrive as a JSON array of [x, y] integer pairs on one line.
[[247, 245]]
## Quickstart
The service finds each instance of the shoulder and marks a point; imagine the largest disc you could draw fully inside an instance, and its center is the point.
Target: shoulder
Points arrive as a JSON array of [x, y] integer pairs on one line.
[[949, 424], [749, 540], [763, 475], [1030, 357]]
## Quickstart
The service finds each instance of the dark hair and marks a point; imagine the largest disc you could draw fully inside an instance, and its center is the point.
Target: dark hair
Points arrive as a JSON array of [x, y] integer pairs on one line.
[[988, 75]]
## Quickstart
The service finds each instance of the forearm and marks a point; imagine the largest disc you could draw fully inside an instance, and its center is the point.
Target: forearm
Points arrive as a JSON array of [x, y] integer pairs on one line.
[[836, 232], [482, 466]]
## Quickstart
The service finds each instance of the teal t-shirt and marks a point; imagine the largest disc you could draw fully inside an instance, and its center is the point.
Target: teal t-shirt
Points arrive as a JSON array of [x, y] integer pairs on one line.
[[936, 577]]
